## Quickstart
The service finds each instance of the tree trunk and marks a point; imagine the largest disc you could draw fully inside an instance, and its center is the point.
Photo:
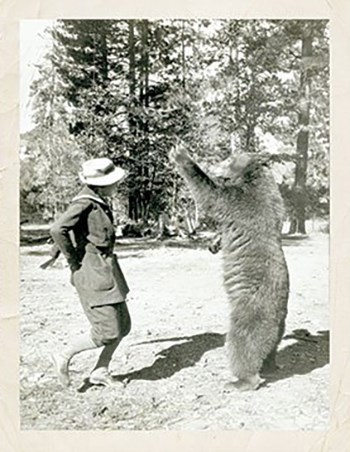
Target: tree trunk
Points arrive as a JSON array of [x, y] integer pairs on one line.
[[183, 54], [144, 195], [236, 130], [299, 217], [132, 210], [104, 50]]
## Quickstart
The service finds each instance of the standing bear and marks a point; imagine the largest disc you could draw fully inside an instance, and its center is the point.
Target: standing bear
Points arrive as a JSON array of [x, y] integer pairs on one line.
[[245, 201]]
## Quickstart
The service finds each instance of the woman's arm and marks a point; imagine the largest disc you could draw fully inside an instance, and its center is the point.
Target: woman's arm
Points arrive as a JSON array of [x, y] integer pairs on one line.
[[60, 230]]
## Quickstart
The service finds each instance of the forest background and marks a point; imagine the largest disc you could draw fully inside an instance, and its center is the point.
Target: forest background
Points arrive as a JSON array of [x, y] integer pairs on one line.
[[129, 89]]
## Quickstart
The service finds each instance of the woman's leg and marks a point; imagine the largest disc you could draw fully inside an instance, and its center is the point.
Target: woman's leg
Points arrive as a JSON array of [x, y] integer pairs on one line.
[[110, 324], [116, 324], [62, 359]]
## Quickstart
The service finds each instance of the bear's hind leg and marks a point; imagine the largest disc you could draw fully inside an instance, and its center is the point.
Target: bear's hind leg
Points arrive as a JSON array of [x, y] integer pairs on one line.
[[249, 383], [269, 364]]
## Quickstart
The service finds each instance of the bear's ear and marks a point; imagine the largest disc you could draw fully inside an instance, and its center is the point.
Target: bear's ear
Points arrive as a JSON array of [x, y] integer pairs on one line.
[[237, 167], [253, 169]]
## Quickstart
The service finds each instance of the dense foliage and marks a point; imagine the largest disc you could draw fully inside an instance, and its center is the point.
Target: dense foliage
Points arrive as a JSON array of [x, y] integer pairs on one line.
[[128, 89]]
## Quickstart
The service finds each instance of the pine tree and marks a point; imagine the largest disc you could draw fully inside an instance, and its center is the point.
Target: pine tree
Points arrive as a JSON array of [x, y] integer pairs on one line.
[[128, 89]]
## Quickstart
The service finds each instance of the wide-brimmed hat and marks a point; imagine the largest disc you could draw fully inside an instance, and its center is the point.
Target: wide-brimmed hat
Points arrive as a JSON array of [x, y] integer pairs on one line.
[[101, 172]]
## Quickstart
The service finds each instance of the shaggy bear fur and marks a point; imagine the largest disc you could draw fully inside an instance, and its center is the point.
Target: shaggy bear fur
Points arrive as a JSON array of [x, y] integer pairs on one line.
[[243, 197]]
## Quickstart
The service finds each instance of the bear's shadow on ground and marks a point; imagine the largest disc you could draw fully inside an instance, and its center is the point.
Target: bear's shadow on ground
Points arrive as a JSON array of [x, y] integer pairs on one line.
[[307, 353]]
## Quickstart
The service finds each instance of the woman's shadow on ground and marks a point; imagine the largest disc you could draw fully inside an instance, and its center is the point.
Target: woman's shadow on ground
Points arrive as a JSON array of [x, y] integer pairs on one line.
[[306, 353]]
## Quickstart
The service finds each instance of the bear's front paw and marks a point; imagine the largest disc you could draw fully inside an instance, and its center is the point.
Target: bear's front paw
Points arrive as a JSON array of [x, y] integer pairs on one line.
[[179, 155]]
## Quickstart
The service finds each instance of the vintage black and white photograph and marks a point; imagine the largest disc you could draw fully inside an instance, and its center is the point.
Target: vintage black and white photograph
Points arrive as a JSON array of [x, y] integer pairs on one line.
[[174, 224]]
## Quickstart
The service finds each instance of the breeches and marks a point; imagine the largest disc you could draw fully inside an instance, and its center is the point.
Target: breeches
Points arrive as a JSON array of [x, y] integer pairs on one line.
[[108, 322]]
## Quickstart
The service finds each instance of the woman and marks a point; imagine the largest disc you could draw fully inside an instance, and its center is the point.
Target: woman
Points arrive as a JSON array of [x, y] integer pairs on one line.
[[85, 235]]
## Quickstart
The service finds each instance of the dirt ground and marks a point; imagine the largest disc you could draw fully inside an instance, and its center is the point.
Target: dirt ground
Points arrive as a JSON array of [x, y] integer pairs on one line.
[[172, 369]]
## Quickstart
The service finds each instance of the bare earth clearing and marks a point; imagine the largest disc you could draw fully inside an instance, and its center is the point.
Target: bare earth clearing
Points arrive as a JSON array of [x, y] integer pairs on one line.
[[172, 369]]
